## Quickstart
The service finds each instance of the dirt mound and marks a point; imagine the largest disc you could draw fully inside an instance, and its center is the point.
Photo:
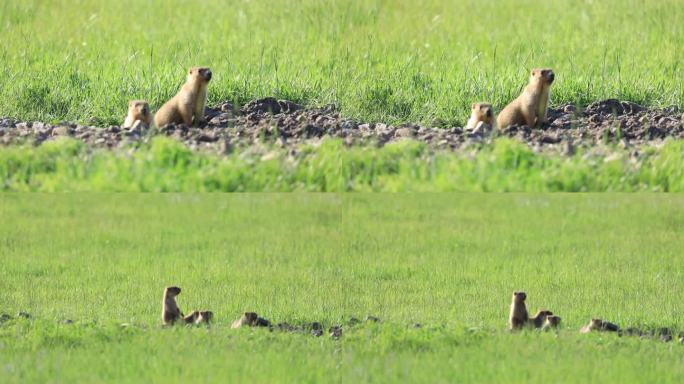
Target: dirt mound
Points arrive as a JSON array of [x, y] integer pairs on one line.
[[269, 105], [627, 123], [285, 123]]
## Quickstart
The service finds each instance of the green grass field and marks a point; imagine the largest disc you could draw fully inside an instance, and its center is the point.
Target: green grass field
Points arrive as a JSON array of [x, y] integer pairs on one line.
[[448, 261], [398, 60]]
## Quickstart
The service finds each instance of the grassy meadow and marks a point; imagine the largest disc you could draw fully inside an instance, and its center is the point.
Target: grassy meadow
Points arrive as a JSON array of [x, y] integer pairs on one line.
[[389, 60], [447, 261]]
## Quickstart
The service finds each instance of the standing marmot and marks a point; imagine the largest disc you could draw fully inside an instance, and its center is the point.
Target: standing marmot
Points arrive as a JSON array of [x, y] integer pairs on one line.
[[170, 311], [189, 102], [518, 316], [481, 113], [530, 107], [138, 110]]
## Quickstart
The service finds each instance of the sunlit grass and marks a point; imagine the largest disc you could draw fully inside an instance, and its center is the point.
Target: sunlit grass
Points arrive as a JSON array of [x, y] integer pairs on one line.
[[379, 60], [447, 261]]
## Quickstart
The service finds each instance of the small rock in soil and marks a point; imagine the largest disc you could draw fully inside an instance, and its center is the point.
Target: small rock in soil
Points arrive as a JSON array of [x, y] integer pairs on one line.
[[288, 125]]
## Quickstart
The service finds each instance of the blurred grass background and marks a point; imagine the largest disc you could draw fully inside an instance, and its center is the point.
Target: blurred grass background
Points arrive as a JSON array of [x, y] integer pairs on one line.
[[166, 165]]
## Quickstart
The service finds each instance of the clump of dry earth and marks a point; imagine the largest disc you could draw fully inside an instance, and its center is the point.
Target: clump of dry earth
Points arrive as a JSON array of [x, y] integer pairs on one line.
[[286, 124]]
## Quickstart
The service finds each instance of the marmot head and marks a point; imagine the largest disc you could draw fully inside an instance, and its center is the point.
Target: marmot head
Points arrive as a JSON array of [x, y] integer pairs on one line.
[[139, 107], [596, 323], [172, 291], [483, 110], [519, 297], [543, 75], [201, 74]]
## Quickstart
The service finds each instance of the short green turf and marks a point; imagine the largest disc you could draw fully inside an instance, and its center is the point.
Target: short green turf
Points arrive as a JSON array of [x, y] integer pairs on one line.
[[389, 60], [447, 261]]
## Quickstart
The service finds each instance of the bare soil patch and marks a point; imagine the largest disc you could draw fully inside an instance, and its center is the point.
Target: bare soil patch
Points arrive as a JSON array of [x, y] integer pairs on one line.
[[287, 124]]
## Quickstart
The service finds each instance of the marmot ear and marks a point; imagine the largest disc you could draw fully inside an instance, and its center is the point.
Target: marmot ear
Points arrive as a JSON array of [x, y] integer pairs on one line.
[[534, 72], [473, 106]]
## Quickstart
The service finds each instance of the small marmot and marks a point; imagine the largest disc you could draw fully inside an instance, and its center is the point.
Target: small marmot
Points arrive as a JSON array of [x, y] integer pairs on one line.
[[189, 102], [539, 318], [335, 331], [530, 107], [138, 110], [599, 325], [198, 317], [191, 318], [170, 311], [551, 322], [248, 319], [480, 114], [204, 317], [518, 316]]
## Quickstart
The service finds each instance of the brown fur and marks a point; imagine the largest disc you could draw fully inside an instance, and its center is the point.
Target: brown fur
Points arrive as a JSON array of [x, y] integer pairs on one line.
[[599, 325], [170, 311], [198, 317], [531, 106], [481, 113], [138, 110], [248, 319], [539, 318], [518, 316], [594, 325], [188, 104], [551, 322], [204, 317], [191, 318]]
